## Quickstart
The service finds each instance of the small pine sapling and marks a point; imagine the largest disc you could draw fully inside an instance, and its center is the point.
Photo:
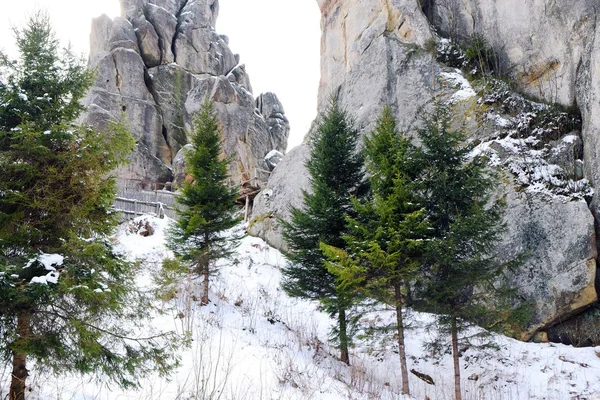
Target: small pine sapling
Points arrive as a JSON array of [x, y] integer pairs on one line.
[[207, 204]]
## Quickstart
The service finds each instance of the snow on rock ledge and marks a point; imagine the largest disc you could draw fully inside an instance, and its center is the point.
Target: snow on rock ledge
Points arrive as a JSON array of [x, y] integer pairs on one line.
[[368, 66]]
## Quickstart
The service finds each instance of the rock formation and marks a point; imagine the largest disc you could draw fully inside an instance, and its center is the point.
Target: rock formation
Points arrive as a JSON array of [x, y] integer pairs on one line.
[[549, 48], [156, 65], [373, 53]]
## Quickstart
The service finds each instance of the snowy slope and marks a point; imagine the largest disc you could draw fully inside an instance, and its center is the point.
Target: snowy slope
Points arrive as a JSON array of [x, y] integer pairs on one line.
[[254, 342]]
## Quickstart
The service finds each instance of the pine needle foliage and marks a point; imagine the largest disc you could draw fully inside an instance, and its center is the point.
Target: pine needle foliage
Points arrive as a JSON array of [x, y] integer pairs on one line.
[[336, 174], [56, 195], [386, 240], [466, 220], [207, 204], [460, 267]]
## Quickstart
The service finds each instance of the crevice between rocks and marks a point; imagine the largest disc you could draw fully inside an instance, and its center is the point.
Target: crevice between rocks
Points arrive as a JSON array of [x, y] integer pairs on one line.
[[177, 29], [117, 79], [164, 132], [161, 45]]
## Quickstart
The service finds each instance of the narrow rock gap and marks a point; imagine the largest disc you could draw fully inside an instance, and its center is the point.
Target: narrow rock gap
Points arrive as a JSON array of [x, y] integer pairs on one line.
[[166, 137], [164, 131], [161, 44], [117, 75], [177, 28]]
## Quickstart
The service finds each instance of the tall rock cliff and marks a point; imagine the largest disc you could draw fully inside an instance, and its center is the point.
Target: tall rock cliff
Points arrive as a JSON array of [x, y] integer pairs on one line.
[[549, 48], [155, 65], [373, 53]]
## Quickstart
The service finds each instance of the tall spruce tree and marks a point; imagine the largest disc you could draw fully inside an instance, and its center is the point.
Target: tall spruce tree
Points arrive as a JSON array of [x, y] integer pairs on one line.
[[336, 174], [386, 239], [207, 203], [67, 299], [466, 222]]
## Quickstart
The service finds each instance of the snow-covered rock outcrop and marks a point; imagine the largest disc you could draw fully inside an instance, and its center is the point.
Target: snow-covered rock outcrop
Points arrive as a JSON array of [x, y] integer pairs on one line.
[[156, 64], [551, 49], [373, 54]]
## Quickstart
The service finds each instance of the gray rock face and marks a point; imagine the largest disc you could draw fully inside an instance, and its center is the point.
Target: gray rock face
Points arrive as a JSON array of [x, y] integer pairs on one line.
[[551, 49], [179, 165], [157, 65], [284, 190], [540, 43], [559, 272], [349, 28], [271, 109], [588, 98], [372, 54]]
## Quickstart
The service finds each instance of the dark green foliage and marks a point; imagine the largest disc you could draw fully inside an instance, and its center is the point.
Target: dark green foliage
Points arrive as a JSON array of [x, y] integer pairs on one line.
[[335, 169], [460, 270], [388, 235], [465, 220], [207, 203], [387, 238], [451, 54], [336, 174], [475, 56], [44, 87], [56, 195], [481, 57]]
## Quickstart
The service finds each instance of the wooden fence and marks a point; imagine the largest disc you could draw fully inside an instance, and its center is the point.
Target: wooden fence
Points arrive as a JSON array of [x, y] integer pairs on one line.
[[132, 203], [137, 197]]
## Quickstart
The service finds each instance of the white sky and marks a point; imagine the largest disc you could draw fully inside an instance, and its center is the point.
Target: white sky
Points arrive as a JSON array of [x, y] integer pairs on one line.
[[278, 40]]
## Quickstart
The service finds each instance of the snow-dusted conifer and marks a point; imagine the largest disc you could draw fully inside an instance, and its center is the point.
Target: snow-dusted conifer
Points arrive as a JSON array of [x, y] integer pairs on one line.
[[386, 239], [336, 174], [66, 297], [208, 203], [466, 222]]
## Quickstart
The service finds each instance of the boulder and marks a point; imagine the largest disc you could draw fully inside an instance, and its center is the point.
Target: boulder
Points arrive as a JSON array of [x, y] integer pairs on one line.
[[148, 42], [284, 190], [273, 158], [179, 174], [557, 239], [239, 75], [272, 111]]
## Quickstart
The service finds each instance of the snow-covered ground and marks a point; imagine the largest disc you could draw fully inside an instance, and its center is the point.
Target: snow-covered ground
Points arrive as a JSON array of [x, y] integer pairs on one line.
[[254, 342]]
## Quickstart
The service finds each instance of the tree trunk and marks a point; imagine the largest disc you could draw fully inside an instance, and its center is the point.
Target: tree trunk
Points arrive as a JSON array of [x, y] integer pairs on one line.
[[454, 331], [401, 347], [204, 299], [343, 325], [19, 371]]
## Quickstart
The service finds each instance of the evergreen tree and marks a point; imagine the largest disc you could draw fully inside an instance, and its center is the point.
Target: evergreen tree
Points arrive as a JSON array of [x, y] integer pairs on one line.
[[207, 203], [66, 297], [386, 239], [335, 168], [466, 222]]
